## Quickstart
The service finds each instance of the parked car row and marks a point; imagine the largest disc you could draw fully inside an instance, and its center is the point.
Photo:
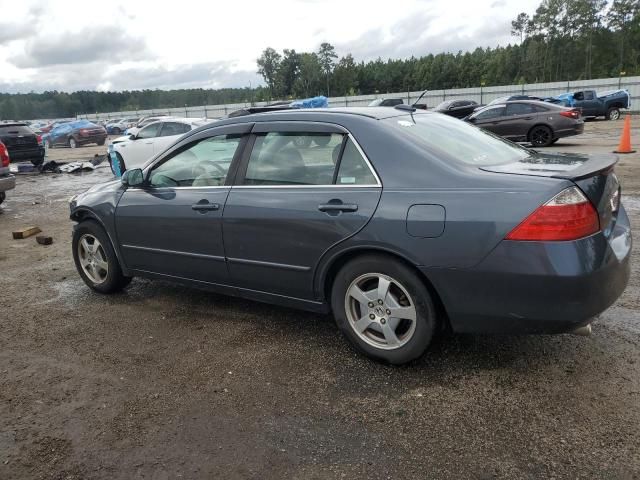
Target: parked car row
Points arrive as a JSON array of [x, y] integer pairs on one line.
[[133, 150], [397, 221]]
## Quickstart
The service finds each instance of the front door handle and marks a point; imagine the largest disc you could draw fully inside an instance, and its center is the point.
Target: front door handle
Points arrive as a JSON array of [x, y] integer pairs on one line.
[[338, 207], [528, 118], [204, 206]]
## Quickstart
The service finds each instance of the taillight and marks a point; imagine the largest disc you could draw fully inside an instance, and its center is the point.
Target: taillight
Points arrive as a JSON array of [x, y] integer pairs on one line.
[[39, 139], [567, 216], [575, 114], [4, 155]]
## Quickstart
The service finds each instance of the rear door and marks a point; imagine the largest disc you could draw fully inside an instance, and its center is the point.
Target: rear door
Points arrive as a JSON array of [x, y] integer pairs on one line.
[[302, 188], [521, 117]]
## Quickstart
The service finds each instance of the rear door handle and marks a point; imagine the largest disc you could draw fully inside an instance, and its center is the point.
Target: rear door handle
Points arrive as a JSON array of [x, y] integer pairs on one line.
[[338, 207], [204, 206]]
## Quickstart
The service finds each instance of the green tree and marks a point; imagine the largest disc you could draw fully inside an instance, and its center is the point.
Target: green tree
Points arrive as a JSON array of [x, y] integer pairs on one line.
[[327, 56], [268, 66]]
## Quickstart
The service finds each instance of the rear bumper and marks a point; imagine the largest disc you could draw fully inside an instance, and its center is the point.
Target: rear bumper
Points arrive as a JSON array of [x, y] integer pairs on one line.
[[538, 287], [7, 182], [568, 132], [26, 154], [91, 139]]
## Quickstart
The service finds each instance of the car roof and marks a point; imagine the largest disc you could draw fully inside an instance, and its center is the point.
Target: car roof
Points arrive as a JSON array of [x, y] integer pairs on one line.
[[377, 113], [13, 124]]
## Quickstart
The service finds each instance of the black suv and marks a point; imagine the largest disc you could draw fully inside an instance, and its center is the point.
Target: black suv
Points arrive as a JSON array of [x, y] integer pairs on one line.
[[21, 142]]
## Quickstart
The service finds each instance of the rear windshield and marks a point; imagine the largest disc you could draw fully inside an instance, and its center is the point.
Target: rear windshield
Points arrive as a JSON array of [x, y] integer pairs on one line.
[[15, 130], [448, 137]]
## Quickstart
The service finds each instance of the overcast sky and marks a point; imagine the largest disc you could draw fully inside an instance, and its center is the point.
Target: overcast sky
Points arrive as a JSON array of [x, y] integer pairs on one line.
[[112, 45]]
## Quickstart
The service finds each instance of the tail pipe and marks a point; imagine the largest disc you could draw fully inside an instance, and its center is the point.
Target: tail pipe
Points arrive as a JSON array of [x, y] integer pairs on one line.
[[583, 331]]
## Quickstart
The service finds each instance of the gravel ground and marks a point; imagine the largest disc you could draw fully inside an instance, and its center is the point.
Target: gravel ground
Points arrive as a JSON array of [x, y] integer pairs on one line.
[[166, 382]]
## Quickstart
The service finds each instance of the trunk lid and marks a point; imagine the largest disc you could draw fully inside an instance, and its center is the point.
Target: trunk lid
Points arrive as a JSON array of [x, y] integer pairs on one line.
[[594, 174]]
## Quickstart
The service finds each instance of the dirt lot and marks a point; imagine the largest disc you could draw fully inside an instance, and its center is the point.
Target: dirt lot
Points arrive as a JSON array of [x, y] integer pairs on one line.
[[166, 382]]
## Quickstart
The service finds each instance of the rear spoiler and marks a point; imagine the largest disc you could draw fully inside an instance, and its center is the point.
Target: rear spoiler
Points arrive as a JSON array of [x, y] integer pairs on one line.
[[596, 164]]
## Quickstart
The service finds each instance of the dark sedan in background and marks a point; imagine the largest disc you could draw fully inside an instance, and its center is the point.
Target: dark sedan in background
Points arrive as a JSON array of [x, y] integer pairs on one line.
[[399, 222], [457, 108], [21, 142], [75, 134], [538, 123]]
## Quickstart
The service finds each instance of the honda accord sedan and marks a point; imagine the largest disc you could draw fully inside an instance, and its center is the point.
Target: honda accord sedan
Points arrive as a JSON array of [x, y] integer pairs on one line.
[[399, 222]]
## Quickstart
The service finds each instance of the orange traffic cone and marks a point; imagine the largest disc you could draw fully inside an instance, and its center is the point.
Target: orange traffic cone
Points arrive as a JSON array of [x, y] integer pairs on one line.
[[625, 139]]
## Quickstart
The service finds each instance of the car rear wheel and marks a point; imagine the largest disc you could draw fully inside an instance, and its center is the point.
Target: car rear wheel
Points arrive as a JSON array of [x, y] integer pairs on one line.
[[613, 113], [383, 308], [101, 142], [96, 260], [540, 136], [37, 161], [72, 142], [3, 196]]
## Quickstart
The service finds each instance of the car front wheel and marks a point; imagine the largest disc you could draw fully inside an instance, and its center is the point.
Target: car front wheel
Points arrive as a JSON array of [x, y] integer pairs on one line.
[[96, 260], [383, 308]]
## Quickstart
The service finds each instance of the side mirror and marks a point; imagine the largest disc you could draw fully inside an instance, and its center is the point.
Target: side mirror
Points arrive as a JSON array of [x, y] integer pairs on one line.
[[132, 178], [471, 120]]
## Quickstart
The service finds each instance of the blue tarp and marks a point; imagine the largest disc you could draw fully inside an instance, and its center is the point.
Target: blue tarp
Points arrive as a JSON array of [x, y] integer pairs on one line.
[[315, 102]]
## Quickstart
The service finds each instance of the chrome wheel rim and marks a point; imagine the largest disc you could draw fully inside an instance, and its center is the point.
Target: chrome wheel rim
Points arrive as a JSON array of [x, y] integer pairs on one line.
[[380, 311], [93, 259], [72, 143], [614, 115]]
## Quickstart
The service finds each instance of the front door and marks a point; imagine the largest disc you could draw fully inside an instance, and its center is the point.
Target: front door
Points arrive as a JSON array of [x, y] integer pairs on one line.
[[304, 188], [173, 226]]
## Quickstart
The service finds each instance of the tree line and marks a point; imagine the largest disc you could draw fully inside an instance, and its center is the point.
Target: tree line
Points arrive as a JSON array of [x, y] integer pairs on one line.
[[562, 40]]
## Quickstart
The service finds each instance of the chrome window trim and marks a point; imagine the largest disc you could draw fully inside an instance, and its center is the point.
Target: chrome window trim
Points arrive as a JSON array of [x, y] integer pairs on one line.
[[329, 185]]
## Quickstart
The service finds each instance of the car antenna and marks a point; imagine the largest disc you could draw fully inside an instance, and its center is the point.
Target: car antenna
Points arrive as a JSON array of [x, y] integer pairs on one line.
[[419, 98]]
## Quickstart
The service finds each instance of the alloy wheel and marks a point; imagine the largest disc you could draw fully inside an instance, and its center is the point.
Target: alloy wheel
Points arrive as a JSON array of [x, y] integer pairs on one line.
[[614, 114], [93, 259], [72, 143], [540, 136], [380, 311]]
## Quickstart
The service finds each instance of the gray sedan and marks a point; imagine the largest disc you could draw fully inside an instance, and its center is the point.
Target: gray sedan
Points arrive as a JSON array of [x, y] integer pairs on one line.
[[401, 223]]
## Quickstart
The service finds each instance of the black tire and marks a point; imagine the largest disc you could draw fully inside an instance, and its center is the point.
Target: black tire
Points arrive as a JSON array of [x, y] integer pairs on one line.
[[100, 143], [554, 140], [116, 131], [613, 114], [3, 196], [540, 136], [37, 161], [115, 280], [426, 320]]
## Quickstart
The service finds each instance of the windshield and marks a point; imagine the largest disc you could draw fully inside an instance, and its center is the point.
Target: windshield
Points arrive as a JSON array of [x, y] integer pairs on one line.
[[376, 102], [15, 130], [448, 137]]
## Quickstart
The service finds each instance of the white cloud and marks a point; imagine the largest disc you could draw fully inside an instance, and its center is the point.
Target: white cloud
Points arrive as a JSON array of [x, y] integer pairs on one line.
[[71, 44]]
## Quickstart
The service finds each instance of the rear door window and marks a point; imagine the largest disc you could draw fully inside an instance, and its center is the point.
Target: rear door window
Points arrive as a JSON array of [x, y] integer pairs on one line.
[[298, 158], [519, 109]]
